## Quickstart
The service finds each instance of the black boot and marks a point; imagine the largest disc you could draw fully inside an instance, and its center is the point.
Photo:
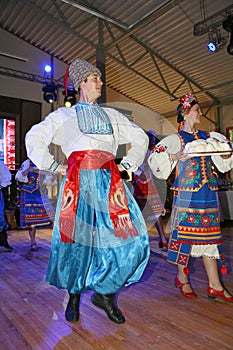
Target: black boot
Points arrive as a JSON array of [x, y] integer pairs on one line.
[[3, 240], [107, 303], [72, 309]]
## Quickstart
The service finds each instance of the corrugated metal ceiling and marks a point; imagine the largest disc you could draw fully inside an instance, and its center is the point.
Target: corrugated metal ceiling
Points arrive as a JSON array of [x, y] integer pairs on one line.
[[152, 55]]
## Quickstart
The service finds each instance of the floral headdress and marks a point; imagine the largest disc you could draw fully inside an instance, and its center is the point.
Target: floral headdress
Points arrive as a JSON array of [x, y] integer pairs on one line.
[[185, 104]]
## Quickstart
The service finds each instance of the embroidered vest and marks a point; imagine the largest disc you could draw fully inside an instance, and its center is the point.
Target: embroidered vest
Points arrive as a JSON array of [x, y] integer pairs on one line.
[[195, 172]]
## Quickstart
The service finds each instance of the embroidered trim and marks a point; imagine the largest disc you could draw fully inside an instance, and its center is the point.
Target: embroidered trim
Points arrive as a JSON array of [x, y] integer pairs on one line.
[[53, 167], [159, 149], [92, 119], [195, 172]]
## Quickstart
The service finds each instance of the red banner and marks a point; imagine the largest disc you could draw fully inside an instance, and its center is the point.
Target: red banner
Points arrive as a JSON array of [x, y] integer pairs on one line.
[[9, 143]]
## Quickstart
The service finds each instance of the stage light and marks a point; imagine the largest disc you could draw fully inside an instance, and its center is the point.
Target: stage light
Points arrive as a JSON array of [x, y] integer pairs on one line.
[[50, 92], [47, 68], [230, 45], [70, 97], [216, 41], [212, 46], [228, 26]]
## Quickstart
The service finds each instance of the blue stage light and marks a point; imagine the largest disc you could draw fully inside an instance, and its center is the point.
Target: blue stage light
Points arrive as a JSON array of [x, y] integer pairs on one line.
[[212, 46], [47, 68]]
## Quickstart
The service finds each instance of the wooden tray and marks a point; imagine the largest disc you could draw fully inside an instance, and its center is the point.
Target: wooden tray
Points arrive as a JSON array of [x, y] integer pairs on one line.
[[201, 154]]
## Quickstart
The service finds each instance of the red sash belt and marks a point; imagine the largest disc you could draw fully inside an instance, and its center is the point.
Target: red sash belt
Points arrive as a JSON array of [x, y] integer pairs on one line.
[[117, 201]]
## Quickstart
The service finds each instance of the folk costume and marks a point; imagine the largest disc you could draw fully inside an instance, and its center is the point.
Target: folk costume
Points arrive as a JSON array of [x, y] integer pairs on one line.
[[144, 189], [195, 221], [100, 240], [35, 207], [5, 180]]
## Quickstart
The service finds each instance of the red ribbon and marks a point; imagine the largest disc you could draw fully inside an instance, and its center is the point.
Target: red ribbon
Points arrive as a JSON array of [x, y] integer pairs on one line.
[[118, 204], [66, 77]]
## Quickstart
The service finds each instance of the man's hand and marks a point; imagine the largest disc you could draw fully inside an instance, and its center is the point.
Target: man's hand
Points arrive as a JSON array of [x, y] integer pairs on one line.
[[120, 167], [61, 169]]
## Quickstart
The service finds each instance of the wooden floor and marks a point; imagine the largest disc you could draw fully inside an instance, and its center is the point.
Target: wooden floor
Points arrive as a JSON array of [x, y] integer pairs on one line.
[[157, 316]]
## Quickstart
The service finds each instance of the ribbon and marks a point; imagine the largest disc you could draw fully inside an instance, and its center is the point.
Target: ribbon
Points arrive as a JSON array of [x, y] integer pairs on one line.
[[117, 201]]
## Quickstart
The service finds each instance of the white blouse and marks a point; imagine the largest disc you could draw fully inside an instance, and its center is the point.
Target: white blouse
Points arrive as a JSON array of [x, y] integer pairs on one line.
[[61, 128], [5, 175]]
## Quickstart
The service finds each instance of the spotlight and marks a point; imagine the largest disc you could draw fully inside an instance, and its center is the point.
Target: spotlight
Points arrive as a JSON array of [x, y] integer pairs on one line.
[[70, 98], [216, 41], [47, 68], [228, 26], [50, 92], [212, 46]]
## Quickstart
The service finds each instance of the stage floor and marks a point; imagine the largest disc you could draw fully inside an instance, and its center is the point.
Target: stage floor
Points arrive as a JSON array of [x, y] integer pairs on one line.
[[157, 315]]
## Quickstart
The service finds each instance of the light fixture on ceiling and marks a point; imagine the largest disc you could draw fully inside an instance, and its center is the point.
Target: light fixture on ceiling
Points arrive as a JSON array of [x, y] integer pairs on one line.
[[50, 92], [228, 26], [47, 68], [216, 41], [70, 97]]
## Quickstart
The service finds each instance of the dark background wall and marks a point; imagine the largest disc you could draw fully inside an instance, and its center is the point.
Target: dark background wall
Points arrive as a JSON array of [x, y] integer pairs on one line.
[[26, 113]]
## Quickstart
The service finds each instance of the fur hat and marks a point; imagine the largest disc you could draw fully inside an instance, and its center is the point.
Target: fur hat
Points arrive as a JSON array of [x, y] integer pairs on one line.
[[79, 70]]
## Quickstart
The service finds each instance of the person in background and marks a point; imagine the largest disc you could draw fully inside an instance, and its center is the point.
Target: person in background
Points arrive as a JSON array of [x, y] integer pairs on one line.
[[146, 194], [100, 240], [5, 180], [195, 214], [36, 209]]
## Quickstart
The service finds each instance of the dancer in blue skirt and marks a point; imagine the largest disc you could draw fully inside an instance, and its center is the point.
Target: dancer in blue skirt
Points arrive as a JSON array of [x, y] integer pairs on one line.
[[36, 209], [195, 223]]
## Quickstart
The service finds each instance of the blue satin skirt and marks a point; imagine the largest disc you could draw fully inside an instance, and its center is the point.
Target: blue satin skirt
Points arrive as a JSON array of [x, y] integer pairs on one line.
[[98, 260]]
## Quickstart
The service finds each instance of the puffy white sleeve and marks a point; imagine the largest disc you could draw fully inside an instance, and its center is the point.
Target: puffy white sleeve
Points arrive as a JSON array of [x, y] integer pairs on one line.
[[222, 164], [38, 139], [5, 175], [19, 175], [159, 161], [130, 133]]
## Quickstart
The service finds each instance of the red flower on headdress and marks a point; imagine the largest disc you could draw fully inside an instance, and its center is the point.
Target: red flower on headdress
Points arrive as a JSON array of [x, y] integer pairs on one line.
[[185, 101]]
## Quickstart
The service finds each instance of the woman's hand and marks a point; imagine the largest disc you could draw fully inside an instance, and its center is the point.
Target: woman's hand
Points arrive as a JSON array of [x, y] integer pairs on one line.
[[226, 156], [180, 156]]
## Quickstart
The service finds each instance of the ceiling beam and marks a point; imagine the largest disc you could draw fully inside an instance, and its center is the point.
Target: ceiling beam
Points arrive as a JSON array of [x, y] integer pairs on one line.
[[95, 12], [212, 22], [61, 23], [13, 73]]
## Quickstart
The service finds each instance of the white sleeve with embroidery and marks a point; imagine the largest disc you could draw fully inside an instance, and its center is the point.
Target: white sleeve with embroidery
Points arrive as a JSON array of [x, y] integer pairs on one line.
[[160, 161], [19, 175]]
